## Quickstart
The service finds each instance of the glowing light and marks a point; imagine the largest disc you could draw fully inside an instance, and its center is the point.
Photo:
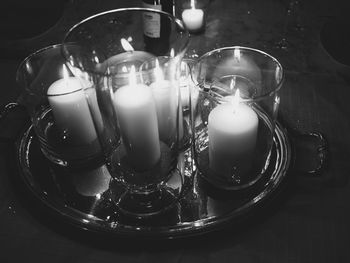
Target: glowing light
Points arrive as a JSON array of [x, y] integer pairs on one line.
[[235, 100], [237, 54], [124, 69], [132, 76], [192, 4], [95, 57], [126, 45], [172, 53], [233, 83]]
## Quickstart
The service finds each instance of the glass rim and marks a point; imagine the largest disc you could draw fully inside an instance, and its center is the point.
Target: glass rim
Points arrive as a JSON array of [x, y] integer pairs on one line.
[[36, 53], [173, 18], [257, 98]]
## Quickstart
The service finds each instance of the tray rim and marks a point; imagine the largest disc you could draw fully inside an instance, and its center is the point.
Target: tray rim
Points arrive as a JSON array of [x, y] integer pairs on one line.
[[184, 229]]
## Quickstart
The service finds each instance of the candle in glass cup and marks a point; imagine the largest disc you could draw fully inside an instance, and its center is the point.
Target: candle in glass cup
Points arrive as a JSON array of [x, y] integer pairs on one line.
[[70, 110], [164, 95], [193, 18], [232, 129], [137, 118]]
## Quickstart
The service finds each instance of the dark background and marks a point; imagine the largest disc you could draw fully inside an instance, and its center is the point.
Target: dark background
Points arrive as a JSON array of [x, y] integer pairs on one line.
[[309, 221]]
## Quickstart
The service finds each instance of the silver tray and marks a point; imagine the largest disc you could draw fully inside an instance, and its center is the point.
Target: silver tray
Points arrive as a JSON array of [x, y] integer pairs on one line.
[[201, 209]]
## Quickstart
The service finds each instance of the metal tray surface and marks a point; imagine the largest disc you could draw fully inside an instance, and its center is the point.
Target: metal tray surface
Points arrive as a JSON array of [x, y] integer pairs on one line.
[[83, 197]]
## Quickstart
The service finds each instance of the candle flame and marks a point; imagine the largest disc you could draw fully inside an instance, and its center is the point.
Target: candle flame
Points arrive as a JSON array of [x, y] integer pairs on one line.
[[96, 59], [65, 72], [192, 4], [235, 100], [233, 83], [158, 72], [132, 76], [124, 69], [126, 45], [172, 53], [237, 54]]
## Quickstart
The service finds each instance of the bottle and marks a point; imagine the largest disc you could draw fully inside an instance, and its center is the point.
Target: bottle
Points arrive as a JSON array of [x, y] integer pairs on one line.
[[164, 5], [157, 27]]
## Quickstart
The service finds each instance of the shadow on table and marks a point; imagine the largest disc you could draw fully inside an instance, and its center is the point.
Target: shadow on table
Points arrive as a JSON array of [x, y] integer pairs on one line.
[[20, 19], [335, 39]]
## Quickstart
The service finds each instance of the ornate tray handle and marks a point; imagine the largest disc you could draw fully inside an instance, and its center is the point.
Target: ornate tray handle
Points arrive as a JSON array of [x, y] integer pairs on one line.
[[310, 153]]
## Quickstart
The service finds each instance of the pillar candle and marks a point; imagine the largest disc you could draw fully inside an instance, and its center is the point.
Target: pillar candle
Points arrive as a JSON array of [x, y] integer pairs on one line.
[[137, 118], [165, 100], [232, 137], [71, 111]]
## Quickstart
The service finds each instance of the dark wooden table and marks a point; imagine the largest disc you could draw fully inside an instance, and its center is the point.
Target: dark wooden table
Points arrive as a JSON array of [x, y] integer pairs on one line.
[[309, 221]]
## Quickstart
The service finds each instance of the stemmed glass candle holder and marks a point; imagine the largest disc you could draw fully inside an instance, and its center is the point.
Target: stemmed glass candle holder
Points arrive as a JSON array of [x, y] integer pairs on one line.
[[235, 115], [139, 107], [56, 103]]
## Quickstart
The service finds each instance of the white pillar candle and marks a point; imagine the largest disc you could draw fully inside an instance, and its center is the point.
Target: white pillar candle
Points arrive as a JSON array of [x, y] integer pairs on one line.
[[137, 118], [232, 133], [193, 18], [71, 111], [165, 100]]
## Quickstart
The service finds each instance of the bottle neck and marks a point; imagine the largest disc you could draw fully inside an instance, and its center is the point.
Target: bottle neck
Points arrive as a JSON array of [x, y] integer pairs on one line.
[[164, 5]]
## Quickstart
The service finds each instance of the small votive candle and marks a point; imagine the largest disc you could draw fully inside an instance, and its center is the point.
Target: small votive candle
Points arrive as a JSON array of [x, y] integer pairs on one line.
[[193, 18]]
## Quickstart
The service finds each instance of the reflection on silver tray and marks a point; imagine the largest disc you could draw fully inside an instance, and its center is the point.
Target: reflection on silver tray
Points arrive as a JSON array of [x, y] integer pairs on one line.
[[84, 197]]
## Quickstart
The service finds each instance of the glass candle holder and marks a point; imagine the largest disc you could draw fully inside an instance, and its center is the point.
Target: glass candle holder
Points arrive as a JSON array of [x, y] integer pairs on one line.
[[235, 115], [60, 115], [139, 106]]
